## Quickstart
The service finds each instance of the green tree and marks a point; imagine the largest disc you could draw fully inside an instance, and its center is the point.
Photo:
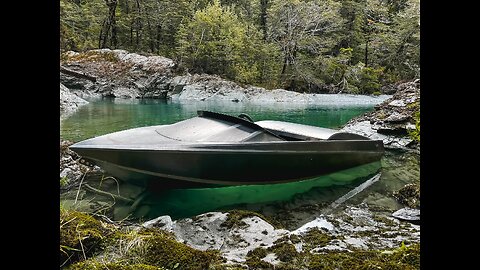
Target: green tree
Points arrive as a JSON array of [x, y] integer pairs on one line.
[[302, 30], [217, 42], [108, 31], [403, 42], [81, 23]]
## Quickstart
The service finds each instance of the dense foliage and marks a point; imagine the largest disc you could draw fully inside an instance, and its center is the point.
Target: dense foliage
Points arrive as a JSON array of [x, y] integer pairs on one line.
[[354, 46]]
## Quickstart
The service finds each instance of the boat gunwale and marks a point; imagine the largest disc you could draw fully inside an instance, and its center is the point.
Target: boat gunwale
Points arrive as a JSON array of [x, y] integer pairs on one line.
[[238, 147]]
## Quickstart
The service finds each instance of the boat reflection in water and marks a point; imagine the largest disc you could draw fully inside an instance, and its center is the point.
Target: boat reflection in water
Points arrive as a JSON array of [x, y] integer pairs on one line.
[[180, 203]]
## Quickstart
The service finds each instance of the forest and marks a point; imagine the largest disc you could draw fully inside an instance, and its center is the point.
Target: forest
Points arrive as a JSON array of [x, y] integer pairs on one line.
[[350, 46]]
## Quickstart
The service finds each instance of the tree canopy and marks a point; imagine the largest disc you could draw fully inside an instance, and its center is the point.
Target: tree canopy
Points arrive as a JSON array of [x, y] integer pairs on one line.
[[355, 46]]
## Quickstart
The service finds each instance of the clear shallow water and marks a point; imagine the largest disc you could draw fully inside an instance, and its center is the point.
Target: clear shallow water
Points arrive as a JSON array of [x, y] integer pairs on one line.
[[306, 198], [109, 115]]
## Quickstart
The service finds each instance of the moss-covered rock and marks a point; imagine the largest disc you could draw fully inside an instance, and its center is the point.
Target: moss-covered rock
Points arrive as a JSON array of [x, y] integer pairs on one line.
[[409, 195], [162, 249], [401, 258], [81, 235], [234, 219], [96, 265], [284, 251], [315, 237]]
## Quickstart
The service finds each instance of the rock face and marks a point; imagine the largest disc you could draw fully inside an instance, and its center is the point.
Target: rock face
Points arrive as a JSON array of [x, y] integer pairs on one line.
[[69, 102], [392, 119], [118, 73], [121, 74]]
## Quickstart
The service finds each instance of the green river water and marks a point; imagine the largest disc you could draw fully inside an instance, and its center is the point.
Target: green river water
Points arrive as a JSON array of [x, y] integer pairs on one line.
[[305, 198]]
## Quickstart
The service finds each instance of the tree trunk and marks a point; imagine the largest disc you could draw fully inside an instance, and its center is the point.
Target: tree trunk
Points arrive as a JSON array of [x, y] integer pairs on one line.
[[158, 38], [151, 39], [138, 26], [366, 52], [263, 17], [109, 27], [285, 64]]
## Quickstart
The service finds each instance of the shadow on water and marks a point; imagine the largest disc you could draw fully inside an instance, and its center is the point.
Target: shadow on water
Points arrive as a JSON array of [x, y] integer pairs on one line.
[[181, 203]]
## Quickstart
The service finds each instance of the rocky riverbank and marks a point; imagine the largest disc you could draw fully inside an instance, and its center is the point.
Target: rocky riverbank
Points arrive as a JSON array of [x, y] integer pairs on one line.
[[241, 240], [120, 74], [394, 120]]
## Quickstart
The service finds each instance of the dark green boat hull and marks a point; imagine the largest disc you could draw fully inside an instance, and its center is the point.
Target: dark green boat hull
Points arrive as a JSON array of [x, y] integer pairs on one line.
[[218, 149]]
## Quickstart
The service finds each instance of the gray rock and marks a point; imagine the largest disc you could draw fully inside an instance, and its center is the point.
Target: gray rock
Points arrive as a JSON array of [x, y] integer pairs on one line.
[[397, 103], [123, 92], [69, 102], [408, 214], [162, 222], [205, 232], [396, 117], [351, 228], [367, 129], [391, 119]]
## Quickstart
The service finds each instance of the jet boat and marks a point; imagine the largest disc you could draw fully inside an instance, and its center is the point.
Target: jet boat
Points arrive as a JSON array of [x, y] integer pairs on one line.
[[218, 149]]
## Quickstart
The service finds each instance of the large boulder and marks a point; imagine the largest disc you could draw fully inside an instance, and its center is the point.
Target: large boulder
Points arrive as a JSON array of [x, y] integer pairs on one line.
[[118, 73]]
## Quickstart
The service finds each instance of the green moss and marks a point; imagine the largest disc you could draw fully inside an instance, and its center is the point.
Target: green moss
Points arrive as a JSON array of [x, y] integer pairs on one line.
[[315, 238], [228, 267], [163, 250], [400, 258], [81, 235], [234, 218], [408, 195], [415, 133], [295, 238], [63, 181], [258, 252], [256, 263], [285, 252], [387, 221], [96, 265], [254, 259]]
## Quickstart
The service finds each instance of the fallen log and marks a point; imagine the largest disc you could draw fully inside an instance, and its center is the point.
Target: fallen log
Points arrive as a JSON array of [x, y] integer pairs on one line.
[[77, 74]]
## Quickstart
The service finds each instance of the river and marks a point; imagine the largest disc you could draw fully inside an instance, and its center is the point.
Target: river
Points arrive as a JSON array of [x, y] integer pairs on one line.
[[300, 200]]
